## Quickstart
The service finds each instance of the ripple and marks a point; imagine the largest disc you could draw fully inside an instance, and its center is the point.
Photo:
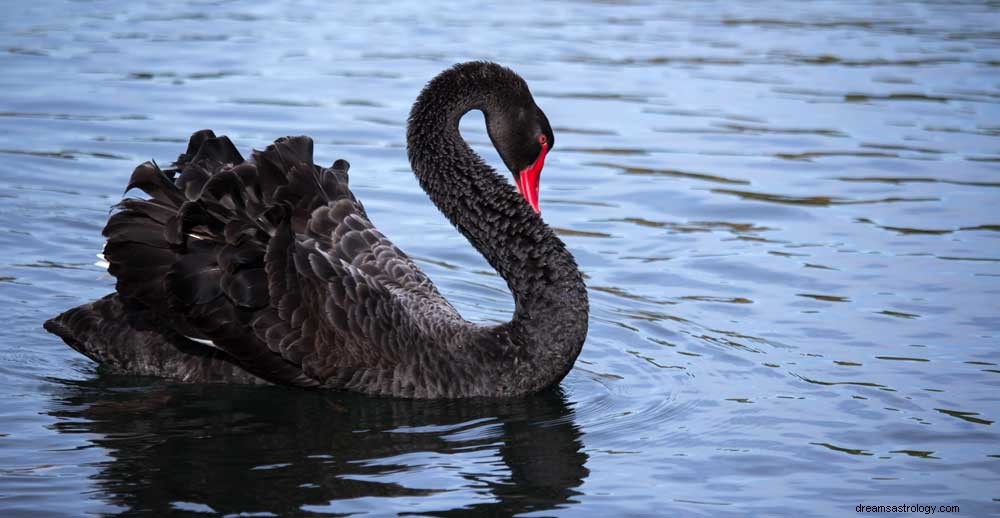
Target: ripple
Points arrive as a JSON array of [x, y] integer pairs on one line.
[[580, 233], [723, 300], [623, 293], [902, 359], [898, 314], [657, 60], [841, 449], [835, 383], [73, 116], [66, 154], [596, 96], [381, 121], [984, 131], [815, 24], [584, 131], [965, 416], [706, 113], [53, 264], [905, 230], [819, 201], [264, 101], [974, 259], [809, 155], [917, 453], [644, 171], [826, 59], [786, 214], [900, 147], [192, 507], [905, 180], [824, 298], [26, 51], [863, 98], [606, 150], [361, 102], [763, 130]]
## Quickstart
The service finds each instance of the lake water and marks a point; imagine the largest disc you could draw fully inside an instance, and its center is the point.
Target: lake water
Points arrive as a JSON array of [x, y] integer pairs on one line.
[[787, 214]]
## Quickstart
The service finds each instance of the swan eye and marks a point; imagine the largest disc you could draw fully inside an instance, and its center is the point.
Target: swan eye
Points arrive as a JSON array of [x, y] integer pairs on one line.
[[543, 140]]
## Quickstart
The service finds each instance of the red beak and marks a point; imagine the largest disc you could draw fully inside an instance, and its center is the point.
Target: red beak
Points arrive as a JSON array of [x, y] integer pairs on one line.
[[527, 180]]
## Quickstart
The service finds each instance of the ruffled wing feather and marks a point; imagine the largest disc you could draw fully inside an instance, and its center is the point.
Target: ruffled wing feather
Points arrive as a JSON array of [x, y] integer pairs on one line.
[[275, 262]]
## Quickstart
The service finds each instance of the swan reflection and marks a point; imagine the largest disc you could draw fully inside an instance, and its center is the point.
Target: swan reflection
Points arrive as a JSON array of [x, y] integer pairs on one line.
[[278, 451]]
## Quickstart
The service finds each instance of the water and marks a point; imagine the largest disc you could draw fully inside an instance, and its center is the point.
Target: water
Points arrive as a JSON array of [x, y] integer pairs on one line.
[[786, 213]]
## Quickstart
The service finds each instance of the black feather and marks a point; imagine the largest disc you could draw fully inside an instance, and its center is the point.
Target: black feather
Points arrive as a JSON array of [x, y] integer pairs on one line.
[[195, 279], [192, 180], [246, 288], [148, 177], [217, 151], [277, 263], [197, 139]]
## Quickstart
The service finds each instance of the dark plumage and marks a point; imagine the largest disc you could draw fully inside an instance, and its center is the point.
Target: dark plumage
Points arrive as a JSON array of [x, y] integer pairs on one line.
[[275, 262]]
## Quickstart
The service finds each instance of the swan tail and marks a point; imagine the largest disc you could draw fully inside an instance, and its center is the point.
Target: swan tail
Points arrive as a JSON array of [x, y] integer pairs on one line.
[[192, 252], [124, 340]]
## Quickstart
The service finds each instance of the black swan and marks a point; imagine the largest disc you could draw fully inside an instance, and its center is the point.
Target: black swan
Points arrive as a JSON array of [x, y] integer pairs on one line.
[[269, 271]]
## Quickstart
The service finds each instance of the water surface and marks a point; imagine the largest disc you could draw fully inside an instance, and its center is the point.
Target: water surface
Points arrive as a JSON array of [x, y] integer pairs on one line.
[[786, 214]]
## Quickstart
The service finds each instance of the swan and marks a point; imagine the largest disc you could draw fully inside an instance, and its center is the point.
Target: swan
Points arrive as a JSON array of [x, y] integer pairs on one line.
[[269, 270]]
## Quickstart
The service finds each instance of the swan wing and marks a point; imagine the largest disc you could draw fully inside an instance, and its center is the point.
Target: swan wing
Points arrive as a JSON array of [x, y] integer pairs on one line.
[[272, 260]]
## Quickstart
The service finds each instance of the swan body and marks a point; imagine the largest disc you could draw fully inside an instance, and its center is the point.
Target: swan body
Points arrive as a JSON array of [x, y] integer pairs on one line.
[[268, 270]]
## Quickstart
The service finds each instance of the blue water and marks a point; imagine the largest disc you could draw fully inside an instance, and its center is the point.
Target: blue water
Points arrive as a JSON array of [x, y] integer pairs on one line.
[[786, 213]]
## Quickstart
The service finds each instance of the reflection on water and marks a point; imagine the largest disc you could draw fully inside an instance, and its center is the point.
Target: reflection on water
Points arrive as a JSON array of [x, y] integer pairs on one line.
[[785, 212], [233, 450]]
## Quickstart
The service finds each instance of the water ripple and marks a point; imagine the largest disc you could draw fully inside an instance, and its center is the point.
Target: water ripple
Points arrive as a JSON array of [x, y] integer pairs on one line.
[[785, 213]]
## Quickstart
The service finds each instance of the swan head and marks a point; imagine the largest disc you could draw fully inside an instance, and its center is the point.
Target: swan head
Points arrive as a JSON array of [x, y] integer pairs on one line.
[[521, 133], [518, 128]]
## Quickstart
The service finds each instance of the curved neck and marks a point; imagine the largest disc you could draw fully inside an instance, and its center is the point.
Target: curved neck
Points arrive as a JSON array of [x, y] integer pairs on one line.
[[550, 298]]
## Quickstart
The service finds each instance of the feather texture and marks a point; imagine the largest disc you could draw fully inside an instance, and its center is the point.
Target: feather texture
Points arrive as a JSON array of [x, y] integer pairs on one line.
[[274, 261]]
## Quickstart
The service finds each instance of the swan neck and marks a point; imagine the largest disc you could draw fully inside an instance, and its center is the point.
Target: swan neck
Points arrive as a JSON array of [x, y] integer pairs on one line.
[[549, 294]]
